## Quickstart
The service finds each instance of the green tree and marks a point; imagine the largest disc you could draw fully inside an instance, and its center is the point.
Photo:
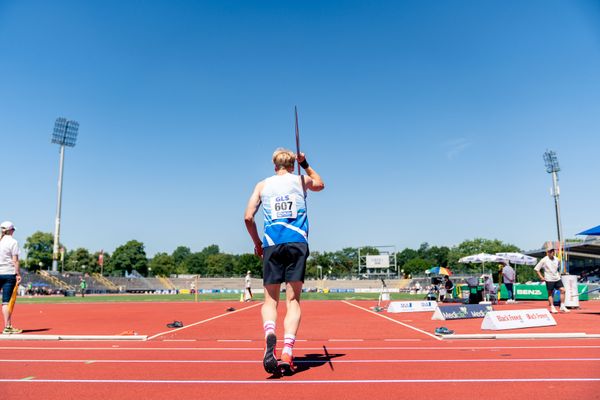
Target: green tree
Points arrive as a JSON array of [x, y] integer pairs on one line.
[[211, 250], [405, 256], [77, 259], [39, 250], [180, 254], [248, 262], [219, 265], [316, 260], [162, 264], [345, 261], [416, 266], [195, 264], [128, 257]]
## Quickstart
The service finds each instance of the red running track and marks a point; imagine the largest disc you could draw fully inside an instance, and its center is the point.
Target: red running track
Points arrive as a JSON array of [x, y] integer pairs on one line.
[[343, 349]]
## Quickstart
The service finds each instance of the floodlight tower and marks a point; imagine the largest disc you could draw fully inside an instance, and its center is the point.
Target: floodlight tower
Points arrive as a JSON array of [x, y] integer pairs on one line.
[[552, 167], [65, 134]]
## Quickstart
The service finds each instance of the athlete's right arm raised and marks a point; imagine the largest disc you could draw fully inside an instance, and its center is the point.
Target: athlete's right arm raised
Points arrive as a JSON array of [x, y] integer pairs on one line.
[[314, 181]]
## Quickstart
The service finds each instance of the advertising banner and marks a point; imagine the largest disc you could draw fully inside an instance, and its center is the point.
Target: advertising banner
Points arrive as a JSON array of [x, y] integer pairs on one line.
[[411, 306], [516, 319], [381, 261], [465, 311]]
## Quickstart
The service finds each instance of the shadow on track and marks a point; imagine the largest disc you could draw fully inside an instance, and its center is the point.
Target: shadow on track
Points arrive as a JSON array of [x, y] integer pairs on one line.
[[308, 361], [35, 330]]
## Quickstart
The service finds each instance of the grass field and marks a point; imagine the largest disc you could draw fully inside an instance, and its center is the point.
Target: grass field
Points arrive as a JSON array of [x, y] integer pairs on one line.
[[203, 297]]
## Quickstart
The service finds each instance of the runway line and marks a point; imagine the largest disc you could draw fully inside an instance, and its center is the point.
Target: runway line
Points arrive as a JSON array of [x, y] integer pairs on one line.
[[292, 382]]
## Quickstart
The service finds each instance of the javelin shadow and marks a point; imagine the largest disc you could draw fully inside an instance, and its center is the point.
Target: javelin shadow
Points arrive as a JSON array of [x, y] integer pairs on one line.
[[312, 360], [35, 330]]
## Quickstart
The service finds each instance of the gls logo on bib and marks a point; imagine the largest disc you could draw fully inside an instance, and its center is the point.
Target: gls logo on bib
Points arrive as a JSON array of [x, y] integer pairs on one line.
[[283, 206]]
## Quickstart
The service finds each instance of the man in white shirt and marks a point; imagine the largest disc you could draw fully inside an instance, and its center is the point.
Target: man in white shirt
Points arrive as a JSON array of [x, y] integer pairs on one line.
[[248, 283], [551, 265]]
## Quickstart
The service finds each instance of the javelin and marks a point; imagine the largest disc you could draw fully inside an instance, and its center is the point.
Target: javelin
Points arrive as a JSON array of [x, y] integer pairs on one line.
[[298, 149], [13, 299], [589, 291]]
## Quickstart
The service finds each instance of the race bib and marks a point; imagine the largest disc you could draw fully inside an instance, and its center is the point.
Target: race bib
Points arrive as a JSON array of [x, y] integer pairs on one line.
[[283, 206]]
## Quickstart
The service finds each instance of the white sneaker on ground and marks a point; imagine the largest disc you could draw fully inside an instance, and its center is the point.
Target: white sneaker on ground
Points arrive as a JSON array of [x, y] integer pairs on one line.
[[553, 310], [564, 309]]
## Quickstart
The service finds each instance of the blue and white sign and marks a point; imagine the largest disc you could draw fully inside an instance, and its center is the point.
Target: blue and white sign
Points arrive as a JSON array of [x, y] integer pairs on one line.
[[465, 311], [411, 306]]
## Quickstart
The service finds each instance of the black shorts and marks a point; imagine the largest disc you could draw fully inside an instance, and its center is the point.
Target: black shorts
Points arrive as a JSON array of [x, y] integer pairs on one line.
[[284, 263], [550, 286], [7, 284]]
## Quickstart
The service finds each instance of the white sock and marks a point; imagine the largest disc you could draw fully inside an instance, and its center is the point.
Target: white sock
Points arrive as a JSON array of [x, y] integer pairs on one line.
[[288, 343], [269, 327]]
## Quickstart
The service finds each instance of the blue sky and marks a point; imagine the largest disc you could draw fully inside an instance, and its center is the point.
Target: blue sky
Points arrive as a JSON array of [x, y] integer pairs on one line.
[[426, 119]]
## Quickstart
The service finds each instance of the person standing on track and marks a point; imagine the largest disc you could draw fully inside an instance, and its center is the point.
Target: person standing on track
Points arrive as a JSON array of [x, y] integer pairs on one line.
[[284, 247], [10, 274], [82, 286], [248, 283], [551, 265]]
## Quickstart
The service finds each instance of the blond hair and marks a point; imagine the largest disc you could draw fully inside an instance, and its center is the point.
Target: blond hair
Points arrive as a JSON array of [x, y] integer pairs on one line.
[[284, 158]]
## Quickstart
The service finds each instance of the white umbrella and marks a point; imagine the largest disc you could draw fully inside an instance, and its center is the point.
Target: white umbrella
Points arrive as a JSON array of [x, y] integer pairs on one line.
[[482, 258], [518, 258]]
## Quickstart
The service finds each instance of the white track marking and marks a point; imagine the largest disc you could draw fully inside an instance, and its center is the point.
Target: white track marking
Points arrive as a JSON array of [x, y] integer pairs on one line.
[[289, 382], [337, 348], [336, 361], [203, 321], [393, 320]]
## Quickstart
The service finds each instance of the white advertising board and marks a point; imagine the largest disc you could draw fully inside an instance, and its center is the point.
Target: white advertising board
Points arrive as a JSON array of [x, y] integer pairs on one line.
[[571, 292], [516, 319], [411, 306], [380, 261]]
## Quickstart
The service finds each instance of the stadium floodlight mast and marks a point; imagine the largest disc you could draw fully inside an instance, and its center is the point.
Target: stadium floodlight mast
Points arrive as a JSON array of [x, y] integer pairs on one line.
[[64, 134], [552, 167]]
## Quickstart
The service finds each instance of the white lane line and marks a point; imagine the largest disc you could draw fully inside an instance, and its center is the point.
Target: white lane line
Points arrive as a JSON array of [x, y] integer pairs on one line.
[[203, 321], [337, 348], [309, 382], [296, 361], [393, 320]]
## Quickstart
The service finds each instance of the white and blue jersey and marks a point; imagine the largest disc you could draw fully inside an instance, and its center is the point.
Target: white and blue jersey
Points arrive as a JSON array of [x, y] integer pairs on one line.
[[284, 210]]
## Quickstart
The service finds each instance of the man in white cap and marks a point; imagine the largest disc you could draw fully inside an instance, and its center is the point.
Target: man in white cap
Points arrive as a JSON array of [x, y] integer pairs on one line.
[[550, 264], [10, 275]]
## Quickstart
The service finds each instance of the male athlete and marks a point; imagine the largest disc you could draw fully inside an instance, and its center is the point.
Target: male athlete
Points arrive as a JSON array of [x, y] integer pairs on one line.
[[551, 267], [284, 247]]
